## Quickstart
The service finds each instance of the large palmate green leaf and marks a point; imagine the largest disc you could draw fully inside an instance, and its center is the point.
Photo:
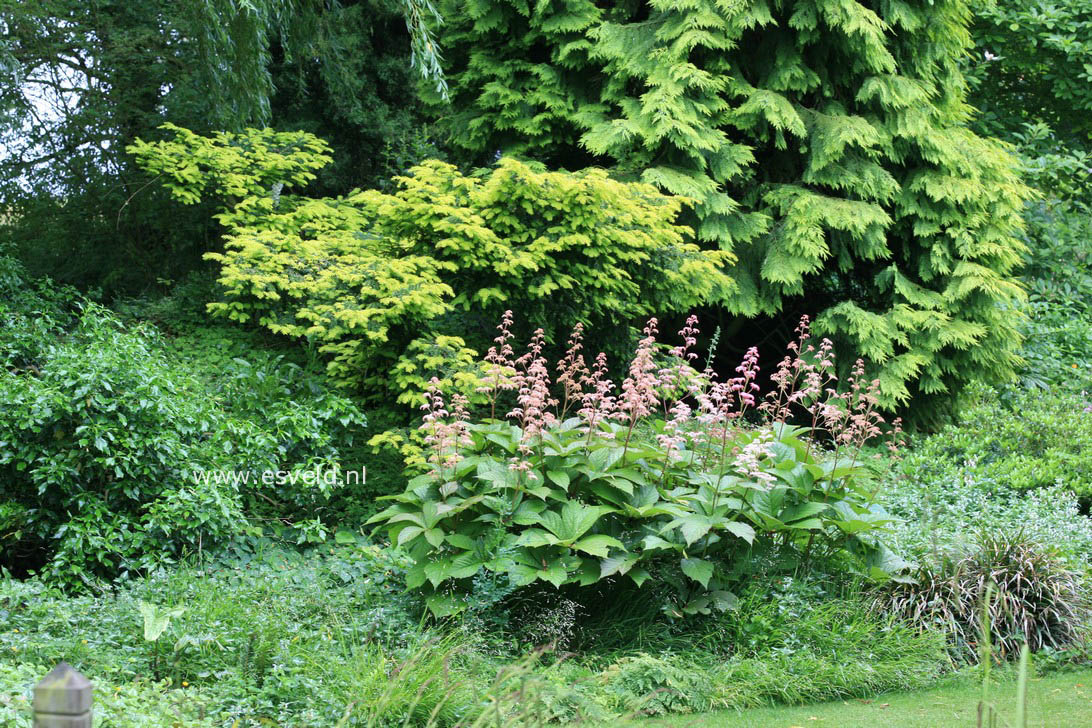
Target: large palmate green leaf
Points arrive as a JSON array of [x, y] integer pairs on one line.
[[574, 520], [699, 570], [692, 526], [526, 569], [741, 530], [598, 545]]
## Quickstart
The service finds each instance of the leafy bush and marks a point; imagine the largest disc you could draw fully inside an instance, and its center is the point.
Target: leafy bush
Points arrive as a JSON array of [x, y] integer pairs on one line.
[[641, 485], [1029, 74], [1033, 441], [1058, 172], [389, 284], [1058, 334], [96, 443], [32, 313], [943, 507], [1032, 66], [111, 452], [825, 144], [292, 388], [1038, 598], [1016, 460], [1010, 463]]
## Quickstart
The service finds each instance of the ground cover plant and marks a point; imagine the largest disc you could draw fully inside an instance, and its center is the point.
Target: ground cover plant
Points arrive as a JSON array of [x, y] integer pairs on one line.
[[268, 634], [251, 639]]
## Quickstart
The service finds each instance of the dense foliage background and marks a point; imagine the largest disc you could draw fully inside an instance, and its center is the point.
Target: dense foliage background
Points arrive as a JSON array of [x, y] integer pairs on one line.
[[248, 238]]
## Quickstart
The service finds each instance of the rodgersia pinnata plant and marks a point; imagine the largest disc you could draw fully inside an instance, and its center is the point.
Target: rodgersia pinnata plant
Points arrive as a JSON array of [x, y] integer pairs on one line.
[[674, 477]]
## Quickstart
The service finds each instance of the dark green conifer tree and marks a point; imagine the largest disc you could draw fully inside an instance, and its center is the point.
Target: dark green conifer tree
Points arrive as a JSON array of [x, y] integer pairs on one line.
[[824, 142]]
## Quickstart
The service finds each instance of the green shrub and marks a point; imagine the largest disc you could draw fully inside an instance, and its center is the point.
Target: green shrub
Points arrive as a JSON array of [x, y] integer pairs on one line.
[[1033, 441], [1012, 463], [1031, 66], [111, 451], [1017, 459], [825, 144], [942, 505], [388, 285], [13, 519], [641, 486], [97, 444], [1058, 172], [32, 313], [281, 387], [1058, 335], [1039, 599]]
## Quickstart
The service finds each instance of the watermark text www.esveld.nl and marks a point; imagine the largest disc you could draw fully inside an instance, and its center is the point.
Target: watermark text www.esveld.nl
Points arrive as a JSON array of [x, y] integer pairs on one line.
[[325, 475]]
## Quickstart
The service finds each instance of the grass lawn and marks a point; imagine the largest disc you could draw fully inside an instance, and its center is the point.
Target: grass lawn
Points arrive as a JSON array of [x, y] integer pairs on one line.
[[1057, 701]]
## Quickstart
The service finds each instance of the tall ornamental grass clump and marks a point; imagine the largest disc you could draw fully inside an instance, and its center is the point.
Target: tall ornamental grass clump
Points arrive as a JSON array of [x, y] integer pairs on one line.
[[1037, 599], [674, 478]]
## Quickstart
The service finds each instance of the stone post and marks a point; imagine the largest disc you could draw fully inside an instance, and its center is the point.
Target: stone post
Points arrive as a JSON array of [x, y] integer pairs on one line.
[[62, 699]]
